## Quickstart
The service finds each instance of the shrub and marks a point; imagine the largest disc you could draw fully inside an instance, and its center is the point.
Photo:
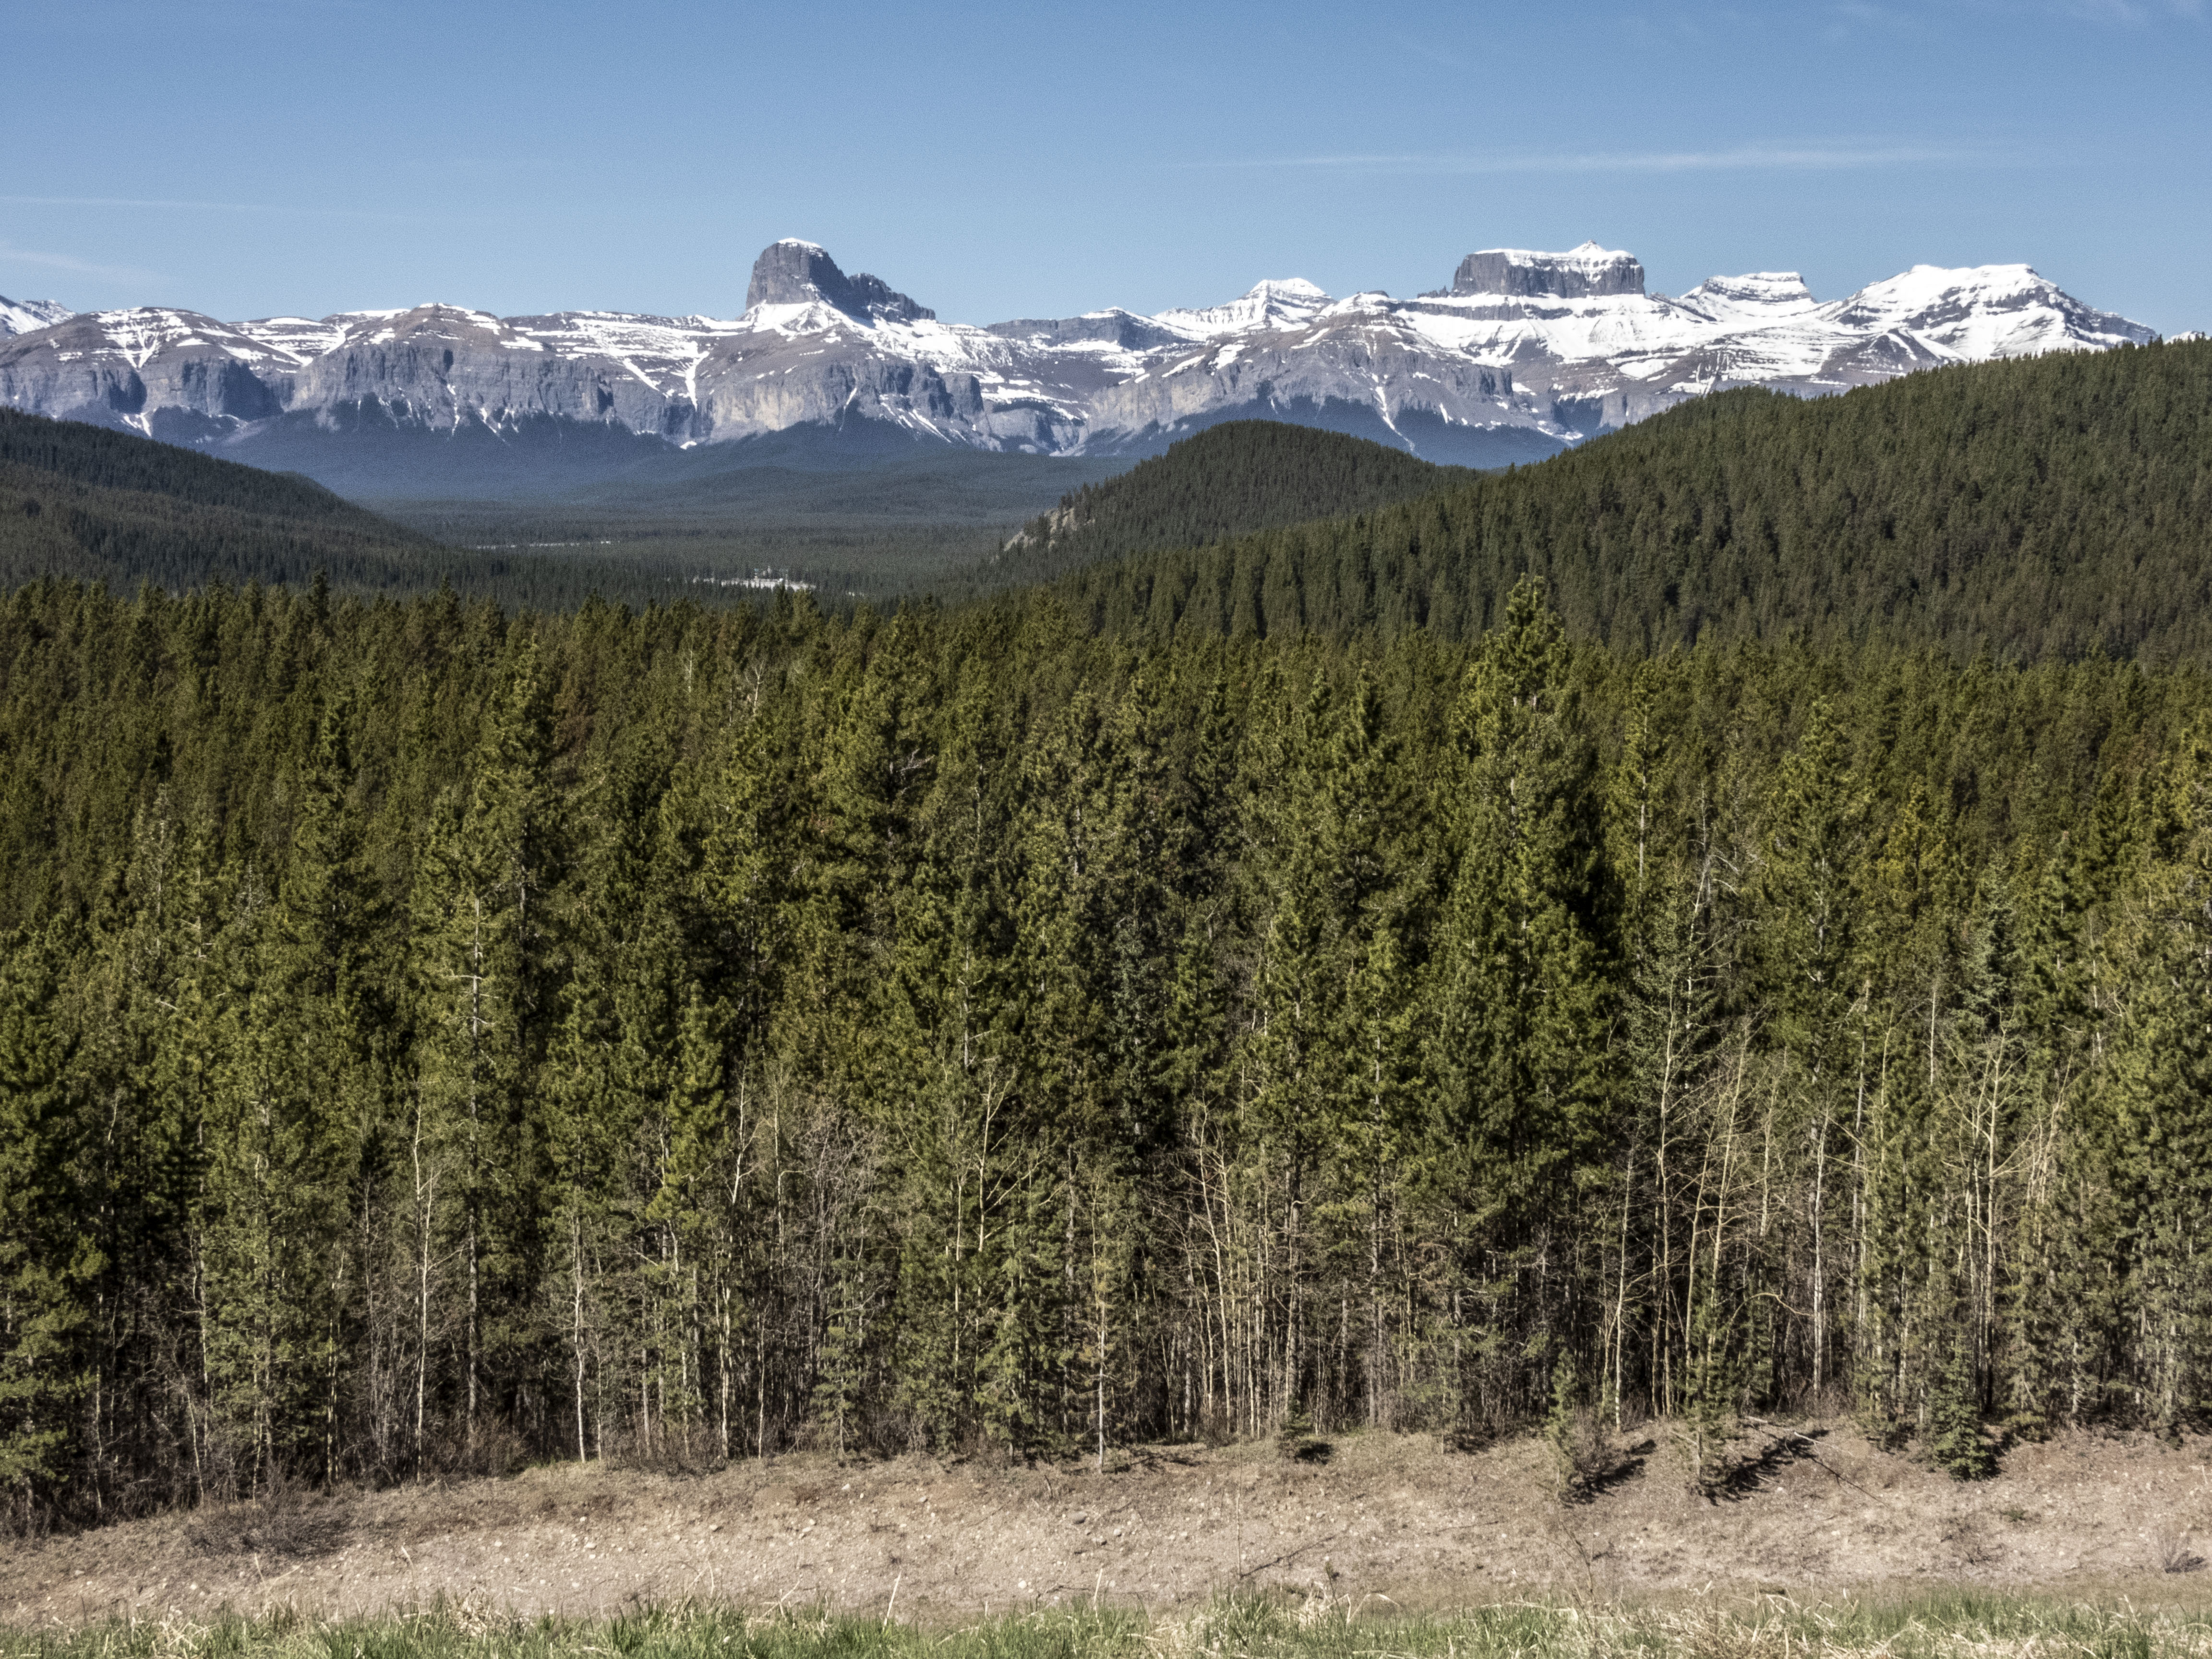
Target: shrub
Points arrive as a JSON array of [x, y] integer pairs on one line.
[[1956, 1442]]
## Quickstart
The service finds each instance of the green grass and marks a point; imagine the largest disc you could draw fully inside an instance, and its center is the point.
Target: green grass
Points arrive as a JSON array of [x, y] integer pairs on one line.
[[1957, 1623]]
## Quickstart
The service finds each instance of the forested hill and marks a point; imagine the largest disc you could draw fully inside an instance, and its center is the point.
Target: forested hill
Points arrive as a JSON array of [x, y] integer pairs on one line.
[[2035, 507], [99, 459], [85, 503], [78, 500], [1228, 480]]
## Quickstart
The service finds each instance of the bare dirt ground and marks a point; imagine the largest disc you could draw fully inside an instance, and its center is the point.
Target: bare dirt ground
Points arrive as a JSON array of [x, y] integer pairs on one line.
[[1400, 1516]]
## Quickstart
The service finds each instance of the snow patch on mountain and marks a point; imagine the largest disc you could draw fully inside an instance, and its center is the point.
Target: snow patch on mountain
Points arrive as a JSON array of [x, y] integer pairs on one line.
[[29, 316], [1757, 296], [1288, 303]]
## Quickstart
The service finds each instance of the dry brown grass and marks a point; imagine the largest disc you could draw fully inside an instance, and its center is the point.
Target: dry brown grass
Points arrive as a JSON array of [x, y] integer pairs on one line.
[[1403, 1517]]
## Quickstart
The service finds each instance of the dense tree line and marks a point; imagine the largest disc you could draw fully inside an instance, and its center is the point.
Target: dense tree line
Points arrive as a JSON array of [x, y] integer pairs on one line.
[[431, 1037], [2042, 506]]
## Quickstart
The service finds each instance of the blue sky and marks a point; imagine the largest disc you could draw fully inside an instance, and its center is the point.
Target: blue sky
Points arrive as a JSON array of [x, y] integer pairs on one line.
[[253, 157]]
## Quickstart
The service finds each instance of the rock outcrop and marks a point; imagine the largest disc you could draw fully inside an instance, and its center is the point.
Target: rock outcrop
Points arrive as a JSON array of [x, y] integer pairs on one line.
[[1584, 273], [795, 273]]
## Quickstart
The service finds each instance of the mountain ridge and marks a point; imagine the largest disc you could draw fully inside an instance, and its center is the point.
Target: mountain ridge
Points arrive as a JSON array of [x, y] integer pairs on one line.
[[1524, 353]]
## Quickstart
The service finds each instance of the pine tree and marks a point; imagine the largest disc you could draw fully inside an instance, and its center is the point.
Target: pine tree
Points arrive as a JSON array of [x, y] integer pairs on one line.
[[590, 1122], [481, 943], [48, 1257], [968, 1118], [1292, 1073], [2155, 1128], [1519, 1044], [712, 1157], [1378, 886], [1809, 975]]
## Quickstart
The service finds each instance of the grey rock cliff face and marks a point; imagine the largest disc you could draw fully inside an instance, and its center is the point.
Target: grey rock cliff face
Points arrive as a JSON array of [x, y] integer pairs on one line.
[[1544, 348], [1586, 272], [121, 368], [1116, 327]]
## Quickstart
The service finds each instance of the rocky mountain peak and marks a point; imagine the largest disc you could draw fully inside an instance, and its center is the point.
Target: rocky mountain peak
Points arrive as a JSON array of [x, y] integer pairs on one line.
[[1755, 293], [26, 316], [792, 272], [1276, 302], [1586, 273]]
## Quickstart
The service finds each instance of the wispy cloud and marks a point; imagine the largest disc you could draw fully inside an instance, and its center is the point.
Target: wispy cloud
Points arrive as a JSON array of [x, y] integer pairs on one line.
[[128, 201], [2132, 12], [74, 266], [1422, 47], [164, 203], [1743, 158], [2119, 14]]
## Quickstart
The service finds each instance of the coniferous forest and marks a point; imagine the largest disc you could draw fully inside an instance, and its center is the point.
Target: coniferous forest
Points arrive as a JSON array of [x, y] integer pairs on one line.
[[436, 1037], [2041, 507]]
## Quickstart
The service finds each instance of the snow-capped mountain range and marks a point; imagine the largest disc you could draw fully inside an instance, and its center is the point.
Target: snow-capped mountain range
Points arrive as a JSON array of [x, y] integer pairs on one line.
[[1523, 352]]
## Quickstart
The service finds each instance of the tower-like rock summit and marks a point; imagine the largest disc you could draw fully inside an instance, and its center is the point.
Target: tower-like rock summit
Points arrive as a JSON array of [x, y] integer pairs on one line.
[[795, 273]]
